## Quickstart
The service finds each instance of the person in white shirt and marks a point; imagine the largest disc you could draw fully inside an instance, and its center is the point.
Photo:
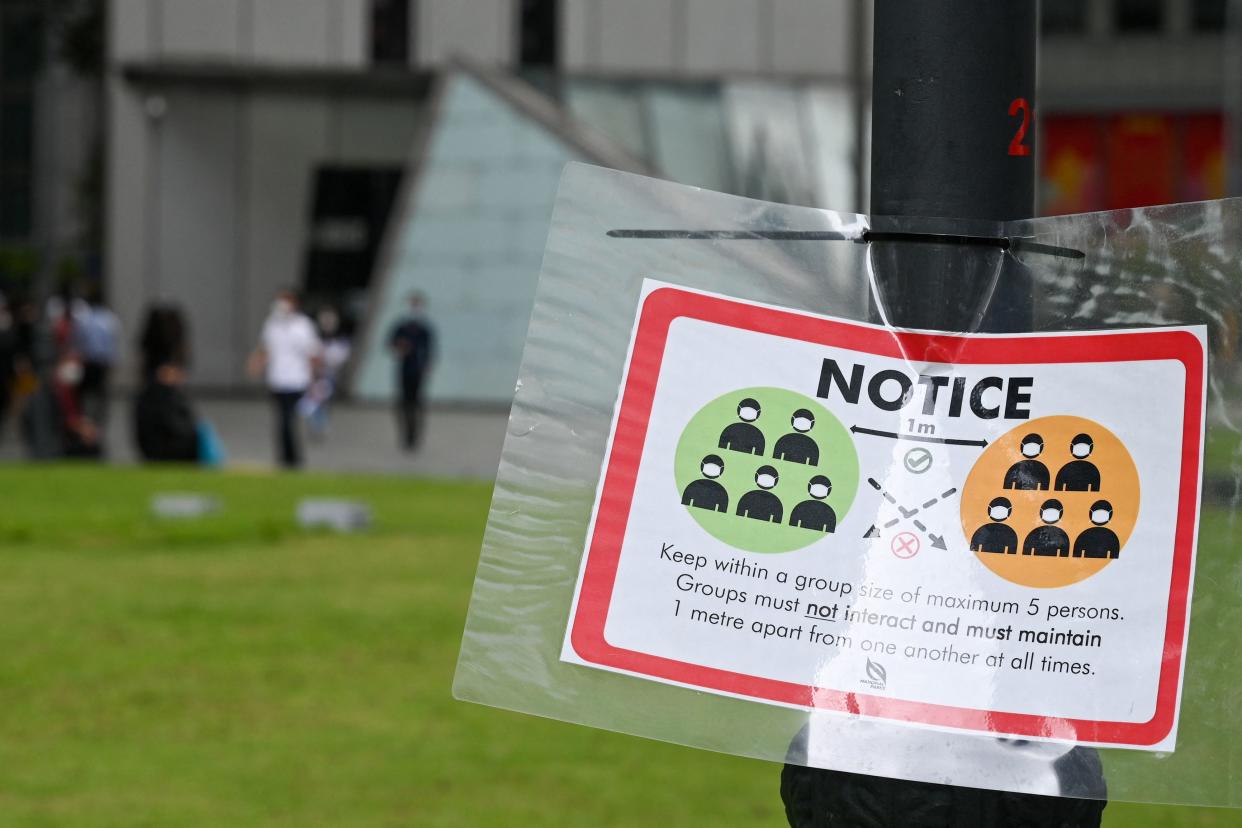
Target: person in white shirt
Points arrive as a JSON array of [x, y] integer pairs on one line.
[[288, 355]]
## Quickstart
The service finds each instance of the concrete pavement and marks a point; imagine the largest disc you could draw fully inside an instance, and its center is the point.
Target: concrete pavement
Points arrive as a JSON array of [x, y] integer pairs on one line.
[[457, 442]]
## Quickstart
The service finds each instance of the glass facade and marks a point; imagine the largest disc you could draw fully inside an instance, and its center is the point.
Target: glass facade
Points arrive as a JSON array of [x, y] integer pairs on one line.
[[471, 231]]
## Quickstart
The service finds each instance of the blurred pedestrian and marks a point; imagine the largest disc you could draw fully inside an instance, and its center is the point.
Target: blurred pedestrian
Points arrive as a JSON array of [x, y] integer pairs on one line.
[[166, 427], [288, 354], [164, 341], [316, 405], [79, 434], [413, 344], [96, 339]]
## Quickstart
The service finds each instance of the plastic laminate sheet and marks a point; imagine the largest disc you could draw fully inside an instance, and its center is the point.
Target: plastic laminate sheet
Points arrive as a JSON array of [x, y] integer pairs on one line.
[[932, 500]]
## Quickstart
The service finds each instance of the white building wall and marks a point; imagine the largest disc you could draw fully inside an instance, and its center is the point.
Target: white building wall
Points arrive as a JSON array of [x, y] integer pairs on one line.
[[726, 36], [197, 30], [309, 32], [482, 30], [197, 256], [291, 32], [705, 38]]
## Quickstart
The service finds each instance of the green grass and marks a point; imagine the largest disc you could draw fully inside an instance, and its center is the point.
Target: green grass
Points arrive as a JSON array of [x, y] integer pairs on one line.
[[238, 671]]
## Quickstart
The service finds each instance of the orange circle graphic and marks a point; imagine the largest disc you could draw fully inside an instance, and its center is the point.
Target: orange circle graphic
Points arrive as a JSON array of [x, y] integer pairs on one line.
[[1026, 547]]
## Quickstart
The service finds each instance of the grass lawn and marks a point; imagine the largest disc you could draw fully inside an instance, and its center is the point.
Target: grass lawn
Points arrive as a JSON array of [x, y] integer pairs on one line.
[[236, 671]]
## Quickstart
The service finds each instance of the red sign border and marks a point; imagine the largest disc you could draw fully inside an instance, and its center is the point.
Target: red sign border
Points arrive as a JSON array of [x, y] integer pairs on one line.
[[666, 304]]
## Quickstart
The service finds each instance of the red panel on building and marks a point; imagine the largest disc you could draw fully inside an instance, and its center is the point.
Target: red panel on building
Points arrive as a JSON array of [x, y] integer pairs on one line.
[[1141, 160], [1072, 165], [1203, 158], [1114, 162]]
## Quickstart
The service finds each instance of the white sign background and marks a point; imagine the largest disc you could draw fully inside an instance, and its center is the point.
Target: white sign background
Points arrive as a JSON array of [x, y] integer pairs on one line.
[[1141, 402]]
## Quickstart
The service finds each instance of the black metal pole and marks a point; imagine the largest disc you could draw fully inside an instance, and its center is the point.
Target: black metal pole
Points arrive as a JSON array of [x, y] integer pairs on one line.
[[953, 142], [953, 136]]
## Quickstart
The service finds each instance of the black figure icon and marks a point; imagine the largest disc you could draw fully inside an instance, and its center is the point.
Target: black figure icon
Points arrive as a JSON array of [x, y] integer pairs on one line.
[[996, 536], [707, 493], [815, 513], [1098, 541], [744, 436], [1028, 474], [760, 503], [796, 447], [1049, 540], [1079, 475]]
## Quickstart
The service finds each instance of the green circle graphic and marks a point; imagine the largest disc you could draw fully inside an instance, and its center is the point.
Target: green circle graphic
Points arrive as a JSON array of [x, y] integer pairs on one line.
[[838, 461]]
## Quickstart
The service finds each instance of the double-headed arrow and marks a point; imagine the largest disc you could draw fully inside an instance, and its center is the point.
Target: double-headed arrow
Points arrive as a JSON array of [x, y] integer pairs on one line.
[[918, 438]]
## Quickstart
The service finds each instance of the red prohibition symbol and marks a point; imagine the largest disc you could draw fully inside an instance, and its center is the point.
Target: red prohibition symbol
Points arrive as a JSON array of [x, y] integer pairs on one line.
[[1017, 145], [906, 545]]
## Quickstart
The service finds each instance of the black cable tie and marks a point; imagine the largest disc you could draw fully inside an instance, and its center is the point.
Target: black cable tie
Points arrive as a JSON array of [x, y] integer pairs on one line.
[[1001, 242]]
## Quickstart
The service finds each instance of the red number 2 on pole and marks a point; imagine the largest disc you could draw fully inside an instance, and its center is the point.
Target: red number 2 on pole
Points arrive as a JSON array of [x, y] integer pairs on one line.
[[1016, 147]]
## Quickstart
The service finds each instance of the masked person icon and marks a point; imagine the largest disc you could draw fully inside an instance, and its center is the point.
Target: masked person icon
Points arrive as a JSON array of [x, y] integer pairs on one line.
[[761, 504], [1028, 474], [996, 536], [707, 493], [1098, 541], [1049, 540], [1079, 475], [815, 514], [796, 447], [744, 436]]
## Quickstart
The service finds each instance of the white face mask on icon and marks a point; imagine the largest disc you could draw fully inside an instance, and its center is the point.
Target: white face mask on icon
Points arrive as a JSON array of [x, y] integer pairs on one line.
[[748, 414], [1101, 516], [998, 513], [1030, 449], [1050, 515], [766, 481], [802, 424], [819, 492], [1081, 450], [712, 470]]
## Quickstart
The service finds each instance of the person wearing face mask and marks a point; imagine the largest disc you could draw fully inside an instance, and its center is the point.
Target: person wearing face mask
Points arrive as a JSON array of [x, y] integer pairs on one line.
[[815, 514], [761, 504], [1079, 475], [287, 356], [744, 436], [1049, 540], [797, 447], [1098, 541], [1029, 474], [707, 493], [996, 536]]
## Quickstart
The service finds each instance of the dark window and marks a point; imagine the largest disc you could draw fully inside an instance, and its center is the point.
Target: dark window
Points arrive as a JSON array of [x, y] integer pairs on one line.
[[1140, 15], [349, 214], [21, 40], [390, 32], [1064, 17], [537, 28], [1209, 15], [21, 56]]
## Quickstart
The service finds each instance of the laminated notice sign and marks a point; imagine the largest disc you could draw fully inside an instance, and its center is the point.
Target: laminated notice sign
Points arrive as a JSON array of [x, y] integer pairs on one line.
[[989, 533]]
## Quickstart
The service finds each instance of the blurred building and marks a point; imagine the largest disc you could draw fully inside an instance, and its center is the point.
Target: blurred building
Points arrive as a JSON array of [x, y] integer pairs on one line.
[[1134, 96], [365, 149]]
